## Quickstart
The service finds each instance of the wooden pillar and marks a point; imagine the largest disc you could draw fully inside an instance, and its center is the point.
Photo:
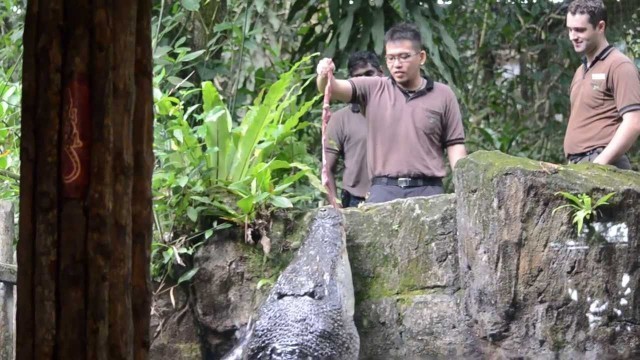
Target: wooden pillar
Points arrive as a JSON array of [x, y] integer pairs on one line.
[[7, 298], [85, 190]]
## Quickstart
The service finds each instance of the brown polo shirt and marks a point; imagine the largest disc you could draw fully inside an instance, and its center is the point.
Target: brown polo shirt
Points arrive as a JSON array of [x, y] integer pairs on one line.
[[600, 95], [407, 134], [347, 137]]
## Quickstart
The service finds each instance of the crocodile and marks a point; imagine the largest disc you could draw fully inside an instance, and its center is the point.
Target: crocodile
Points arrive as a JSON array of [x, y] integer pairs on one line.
[[309, 312]]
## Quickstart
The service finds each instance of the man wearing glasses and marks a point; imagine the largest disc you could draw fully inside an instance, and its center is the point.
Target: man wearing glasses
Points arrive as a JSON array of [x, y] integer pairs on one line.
[[347, 137], [411, 120]]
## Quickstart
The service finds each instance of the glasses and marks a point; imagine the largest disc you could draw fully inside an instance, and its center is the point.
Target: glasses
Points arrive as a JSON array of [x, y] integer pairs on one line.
[[400, 57]]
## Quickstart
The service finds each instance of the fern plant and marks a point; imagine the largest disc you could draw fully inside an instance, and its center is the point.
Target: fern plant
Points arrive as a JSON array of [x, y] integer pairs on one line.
[[583, 207]]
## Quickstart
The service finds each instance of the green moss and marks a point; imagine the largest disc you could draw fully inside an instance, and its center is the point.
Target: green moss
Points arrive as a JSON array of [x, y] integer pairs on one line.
[[371, 288], [412, 275], [406, 298], [189, 351], [487, 165], [556, 338], [266, 266], [595, 176], [490, 164]]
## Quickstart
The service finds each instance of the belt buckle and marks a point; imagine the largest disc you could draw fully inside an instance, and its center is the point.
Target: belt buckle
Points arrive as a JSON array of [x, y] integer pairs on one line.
[[404, 182]]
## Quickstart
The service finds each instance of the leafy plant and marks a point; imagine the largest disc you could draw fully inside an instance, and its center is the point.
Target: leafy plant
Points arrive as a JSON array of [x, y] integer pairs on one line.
[[340, 27], [212, 167], [582, 207], [171, 260], [11, 28]]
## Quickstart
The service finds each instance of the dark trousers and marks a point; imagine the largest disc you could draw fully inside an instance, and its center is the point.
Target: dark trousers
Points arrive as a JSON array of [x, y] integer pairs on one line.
[[350, 200], [384, 193], [622, 163]]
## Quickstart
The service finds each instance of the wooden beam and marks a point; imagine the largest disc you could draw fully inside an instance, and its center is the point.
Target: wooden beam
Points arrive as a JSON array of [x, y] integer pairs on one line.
[[8, 274]]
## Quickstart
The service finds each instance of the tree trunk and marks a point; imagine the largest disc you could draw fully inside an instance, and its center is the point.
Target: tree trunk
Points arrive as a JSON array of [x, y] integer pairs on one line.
[[85, 190]]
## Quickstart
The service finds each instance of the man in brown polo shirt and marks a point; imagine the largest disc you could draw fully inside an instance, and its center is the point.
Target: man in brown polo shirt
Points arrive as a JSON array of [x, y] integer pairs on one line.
[[347, 137], [605, 92], [411, 119]]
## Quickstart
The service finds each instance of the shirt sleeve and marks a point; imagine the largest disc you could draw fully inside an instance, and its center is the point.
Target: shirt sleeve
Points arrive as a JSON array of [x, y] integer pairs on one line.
[[363, 86], [453, 130], [626, 87]]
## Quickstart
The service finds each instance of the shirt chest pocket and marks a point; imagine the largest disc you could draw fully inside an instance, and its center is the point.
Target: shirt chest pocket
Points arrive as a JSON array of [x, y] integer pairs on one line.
[[428, 122], [594, 93]]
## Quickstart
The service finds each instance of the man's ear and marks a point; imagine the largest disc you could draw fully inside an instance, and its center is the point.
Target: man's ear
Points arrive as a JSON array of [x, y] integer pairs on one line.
[[423, 57], [601, 26]]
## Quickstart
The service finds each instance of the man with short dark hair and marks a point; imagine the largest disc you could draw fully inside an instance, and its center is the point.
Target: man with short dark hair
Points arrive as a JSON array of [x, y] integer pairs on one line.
[[347, 137], [605, 92], [411, 120]]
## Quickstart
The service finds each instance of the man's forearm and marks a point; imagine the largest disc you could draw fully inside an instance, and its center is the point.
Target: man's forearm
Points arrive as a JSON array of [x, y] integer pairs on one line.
[[455, 153], [625, 136], [332, 185], [321, 82]]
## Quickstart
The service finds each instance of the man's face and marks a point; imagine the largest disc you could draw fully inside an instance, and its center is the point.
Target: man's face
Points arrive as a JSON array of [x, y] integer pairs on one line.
[[404, 61], [366, 70], [584, 37]]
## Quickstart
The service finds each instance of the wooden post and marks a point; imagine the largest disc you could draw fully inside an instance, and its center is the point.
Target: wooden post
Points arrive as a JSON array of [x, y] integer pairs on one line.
[[7, 314], [85, 188]]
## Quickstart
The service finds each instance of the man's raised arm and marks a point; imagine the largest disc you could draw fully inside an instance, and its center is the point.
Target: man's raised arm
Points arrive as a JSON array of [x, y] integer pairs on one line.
[[340, 89]]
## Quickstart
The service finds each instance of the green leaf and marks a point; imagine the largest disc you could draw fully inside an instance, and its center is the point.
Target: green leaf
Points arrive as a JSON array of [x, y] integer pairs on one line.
[[335, 11], [246, 204], [448, 40], [167, 255], [296, 7], [174, 80], [202, 199], [281, 202], [191, 56], [217, 121], [580, 221], [192, 214], [263, 282], [255, 124], [188, 275], [259, 6], [559, 207], [569, 196], [208, 233], [345, 30], [377, 30], [161, 51], [191, 5], [183, 180], [401, 7], [603, 200]]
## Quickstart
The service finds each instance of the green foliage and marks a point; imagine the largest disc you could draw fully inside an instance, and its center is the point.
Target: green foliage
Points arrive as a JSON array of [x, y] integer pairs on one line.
[[582, 207], [207, 166], [517, 63], [338, 28], [11, 28], [171, 259]]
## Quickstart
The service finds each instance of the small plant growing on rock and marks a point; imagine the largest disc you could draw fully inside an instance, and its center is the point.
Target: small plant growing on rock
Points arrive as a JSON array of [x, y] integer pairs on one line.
[[582, 207]]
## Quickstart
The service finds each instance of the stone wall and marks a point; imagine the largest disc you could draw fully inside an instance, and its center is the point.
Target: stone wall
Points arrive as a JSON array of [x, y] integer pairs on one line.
[[490, 272], [533, 286]]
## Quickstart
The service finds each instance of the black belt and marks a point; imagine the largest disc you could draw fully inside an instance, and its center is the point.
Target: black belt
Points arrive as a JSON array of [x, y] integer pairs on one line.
[[406, 181], [578, 156]]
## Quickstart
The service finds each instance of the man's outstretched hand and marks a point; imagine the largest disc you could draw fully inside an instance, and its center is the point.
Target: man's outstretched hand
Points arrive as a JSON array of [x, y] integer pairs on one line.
[[324, 67]]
